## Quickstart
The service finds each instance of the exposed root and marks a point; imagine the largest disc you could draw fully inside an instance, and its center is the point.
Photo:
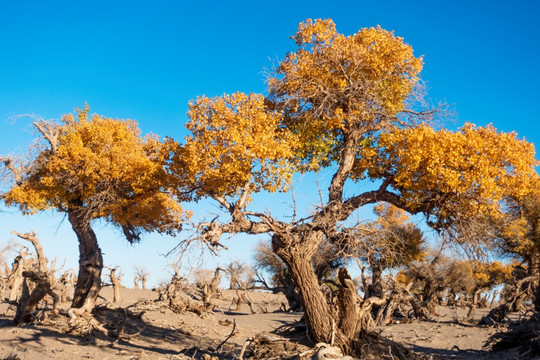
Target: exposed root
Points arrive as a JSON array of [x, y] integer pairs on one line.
[[372, 346], [271, 347]]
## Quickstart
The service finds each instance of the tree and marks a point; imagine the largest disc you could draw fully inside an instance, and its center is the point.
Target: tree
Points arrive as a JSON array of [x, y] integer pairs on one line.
[[345, 103], [388, 242], [240, 275], [93, 167], [141, 274], [519, 233]]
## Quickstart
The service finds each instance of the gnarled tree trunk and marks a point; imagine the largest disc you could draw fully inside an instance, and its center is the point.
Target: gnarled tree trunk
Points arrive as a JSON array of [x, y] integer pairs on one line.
[[90, 262], [346, 325], [534, 270], [321, 319]]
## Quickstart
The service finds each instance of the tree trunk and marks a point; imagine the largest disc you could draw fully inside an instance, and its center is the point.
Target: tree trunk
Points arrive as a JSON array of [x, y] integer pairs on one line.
[[23, 299], [16, 277], [212, 289], [43, 279], [376, 288], [474, 304], [320, 319], [28, 304], [345, 326], [116, 282], [90, 262], [317, 312]]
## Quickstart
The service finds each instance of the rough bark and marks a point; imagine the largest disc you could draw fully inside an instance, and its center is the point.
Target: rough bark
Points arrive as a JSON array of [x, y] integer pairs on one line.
[[28, 304], [534, 270], [375, 288], [349, 315], [23, 299], [317, 312], [90, 262], [321, 319]]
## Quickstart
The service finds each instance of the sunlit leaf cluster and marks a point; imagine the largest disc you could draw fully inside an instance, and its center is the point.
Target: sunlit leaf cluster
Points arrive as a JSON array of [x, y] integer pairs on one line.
[[468, 170], [235, 140], [487, 274], [335, 85]]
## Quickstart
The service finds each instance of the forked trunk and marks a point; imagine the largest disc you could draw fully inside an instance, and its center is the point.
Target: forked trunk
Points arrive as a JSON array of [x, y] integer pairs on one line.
[[345, 326], [90, 262], [16, 277], [322, 325], [317, 312]]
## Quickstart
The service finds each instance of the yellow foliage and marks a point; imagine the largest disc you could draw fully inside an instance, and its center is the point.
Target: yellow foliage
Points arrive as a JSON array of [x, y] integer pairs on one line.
[[334, 83], [235, 139], [403, 279], [470, 170], [487, 275], [104, 165], [391, 240], [521, 225]]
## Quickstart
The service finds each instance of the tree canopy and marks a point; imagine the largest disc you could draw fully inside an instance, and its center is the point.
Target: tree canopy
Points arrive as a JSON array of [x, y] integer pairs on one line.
[[94, 167], [103, 166]]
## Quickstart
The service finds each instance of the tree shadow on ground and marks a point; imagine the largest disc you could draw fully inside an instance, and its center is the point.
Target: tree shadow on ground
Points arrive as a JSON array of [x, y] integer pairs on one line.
[[126, 331], [459, 354]]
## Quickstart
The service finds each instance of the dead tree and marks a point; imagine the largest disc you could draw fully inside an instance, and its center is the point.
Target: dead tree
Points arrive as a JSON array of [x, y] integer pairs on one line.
[[67, 285], [43, 279], [5, 270], [15, 278], [240, 275], [116, 282], [524, 288], [141, 275], [211, 289]]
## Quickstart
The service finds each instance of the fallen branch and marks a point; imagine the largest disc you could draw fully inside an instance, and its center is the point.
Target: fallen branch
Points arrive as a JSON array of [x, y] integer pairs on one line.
[[228, 337]]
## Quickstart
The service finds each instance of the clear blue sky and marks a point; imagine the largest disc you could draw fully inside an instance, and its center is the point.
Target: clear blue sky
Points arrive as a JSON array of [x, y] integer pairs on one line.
[[145, 60]]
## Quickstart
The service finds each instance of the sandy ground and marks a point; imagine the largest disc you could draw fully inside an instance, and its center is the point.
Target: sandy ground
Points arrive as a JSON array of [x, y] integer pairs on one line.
[[162, 334]]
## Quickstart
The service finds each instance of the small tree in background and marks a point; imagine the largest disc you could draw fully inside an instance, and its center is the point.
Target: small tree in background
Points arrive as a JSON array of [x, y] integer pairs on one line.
[[241, 276], [390, 241], [141, 276]]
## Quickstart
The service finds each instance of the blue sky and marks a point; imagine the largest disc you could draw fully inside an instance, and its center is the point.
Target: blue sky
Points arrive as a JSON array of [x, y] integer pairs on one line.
[[145, 60]]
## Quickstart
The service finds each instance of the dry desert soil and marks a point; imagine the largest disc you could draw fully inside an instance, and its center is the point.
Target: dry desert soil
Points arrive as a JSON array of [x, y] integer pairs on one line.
[[150, 331]]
